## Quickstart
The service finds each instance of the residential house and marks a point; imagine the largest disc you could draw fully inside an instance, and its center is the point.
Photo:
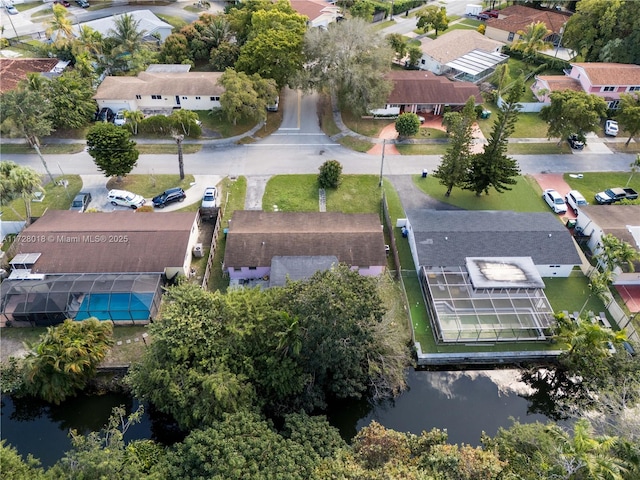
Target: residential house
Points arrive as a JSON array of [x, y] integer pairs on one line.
[[14, 70], [481, 271], [544, 85], [160, 90], [607, 80], [319, 12], [462, 54], [155, 30], [108, 265], [296, 244], [418, 91], [517, 18]]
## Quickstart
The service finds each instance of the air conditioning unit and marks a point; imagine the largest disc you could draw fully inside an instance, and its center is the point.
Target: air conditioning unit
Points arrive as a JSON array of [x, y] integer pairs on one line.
[[197, 250]]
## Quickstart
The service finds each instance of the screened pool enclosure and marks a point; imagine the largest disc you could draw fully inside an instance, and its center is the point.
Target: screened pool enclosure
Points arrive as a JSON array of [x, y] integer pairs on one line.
[[122, 298]]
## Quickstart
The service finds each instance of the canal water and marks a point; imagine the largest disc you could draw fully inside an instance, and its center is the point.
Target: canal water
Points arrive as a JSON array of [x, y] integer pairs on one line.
[[465, 403]]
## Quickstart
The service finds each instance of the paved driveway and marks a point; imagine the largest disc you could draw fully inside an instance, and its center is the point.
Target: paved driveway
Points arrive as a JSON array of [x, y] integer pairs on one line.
[[555, 181], [96, 186]]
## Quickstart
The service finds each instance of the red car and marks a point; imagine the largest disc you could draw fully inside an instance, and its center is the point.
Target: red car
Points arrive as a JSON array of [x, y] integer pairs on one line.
[[64, 3], [491, 13]]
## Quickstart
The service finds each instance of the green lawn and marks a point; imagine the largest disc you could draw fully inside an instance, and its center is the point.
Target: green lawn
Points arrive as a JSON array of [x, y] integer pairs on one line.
[[299, 193], [368, 127], [455, 26], [594, 182], [57, 197], [571, 293], [53, 149], [150, 185], [167, 148], [237, 191], [525, 196], [424, 149], [355, 144], [529, 125], [426, 132], [214, 120], [538, 148]]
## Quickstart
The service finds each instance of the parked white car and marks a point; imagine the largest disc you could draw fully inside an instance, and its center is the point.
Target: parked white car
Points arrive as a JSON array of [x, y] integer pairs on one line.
[[119, 119], [210, 198], [125, 199], [554, 200], [575, 200], [611, 128]]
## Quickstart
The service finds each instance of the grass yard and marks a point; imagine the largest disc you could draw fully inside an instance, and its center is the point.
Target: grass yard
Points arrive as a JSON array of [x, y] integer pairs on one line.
[[232, 194], [633, 147], [327, 124], [551, 148], [529, 125], [56, 197], [215, 121], [53, 149], [424, 149], [524, 196], [571, 293], [426, 132], [299, 193], [167, 148], [455, 26], [150, 185], [368, 127], [355, 144], [132, 345], [594, 182]]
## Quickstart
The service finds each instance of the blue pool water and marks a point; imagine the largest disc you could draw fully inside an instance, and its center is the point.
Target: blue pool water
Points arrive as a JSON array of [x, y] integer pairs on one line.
[[116, 306]]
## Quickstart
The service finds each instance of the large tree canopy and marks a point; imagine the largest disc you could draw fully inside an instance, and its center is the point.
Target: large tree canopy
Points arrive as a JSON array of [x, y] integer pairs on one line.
[[112, 150], [573, 112], [605, 31], [351, 60]]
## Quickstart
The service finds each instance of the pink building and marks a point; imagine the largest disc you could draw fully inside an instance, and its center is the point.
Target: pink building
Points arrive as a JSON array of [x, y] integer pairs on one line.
[[606, 80]]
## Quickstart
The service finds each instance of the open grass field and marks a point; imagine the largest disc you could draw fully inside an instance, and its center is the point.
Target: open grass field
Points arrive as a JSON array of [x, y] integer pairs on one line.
[[56, 197], [424, 149], [355, 144], [52, 149], [594, 182], [548, 148], [529, 125], [524, 196]]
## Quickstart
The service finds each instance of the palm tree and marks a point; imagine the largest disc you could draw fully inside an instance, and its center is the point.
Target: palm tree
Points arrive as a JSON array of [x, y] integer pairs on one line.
[[126, 34], [585, 456], [19, 182], [134, 117], [60, 26], [532, 39], [216, 31]]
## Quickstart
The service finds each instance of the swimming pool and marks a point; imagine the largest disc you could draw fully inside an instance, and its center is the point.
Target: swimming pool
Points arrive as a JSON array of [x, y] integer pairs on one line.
[[116, 306]]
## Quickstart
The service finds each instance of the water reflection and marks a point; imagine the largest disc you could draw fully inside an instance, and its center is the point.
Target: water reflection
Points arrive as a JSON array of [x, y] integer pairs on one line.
[[464, 403]]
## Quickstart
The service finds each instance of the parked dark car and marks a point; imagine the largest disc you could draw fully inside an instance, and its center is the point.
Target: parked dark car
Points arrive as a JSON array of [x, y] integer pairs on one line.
[[81, 202], [105, 115], [83, 3], [575, 142], [169, 196]]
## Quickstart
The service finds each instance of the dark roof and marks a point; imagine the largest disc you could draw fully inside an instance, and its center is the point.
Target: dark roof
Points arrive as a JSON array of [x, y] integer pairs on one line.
[[447, 238], [255, 237], [420, 87], [12, 70], [72, 242], [615, 220], [517, 17]]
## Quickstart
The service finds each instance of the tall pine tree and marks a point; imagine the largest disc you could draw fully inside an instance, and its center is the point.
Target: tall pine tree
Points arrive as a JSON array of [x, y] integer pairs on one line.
[[453, 170], [492, 167]]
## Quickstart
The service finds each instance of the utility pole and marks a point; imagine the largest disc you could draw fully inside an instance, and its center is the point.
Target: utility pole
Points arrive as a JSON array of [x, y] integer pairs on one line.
[[384, 142], [178, 139], [46, 167]]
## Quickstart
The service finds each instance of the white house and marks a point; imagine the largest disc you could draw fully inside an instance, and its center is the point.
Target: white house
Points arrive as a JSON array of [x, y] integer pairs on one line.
[[160, 90]]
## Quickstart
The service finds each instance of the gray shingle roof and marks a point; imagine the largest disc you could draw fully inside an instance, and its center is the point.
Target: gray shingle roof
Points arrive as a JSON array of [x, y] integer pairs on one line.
[[298, 268], [446, 238]]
